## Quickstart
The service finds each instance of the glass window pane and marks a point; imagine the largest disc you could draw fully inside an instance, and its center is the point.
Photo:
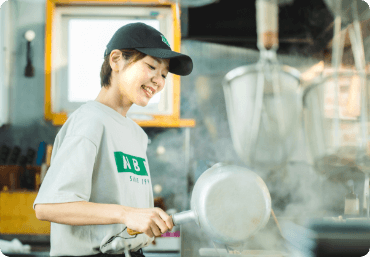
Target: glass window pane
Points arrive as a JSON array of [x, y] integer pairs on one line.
[[87, 39]]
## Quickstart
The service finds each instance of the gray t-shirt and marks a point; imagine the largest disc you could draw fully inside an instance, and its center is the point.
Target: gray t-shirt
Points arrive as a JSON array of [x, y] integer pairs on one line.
[[98, 156]]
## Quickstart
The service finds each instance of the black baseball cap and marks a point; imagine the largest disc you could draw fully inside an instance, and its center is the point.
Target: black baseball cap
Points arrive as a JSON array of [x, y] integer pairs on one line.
[[150, 41]]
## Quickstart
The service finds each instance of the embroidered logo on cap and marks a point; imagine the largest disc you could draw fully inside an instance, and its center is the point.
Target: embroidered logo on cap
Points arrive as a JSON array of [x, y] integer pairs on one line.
[[165, 41]]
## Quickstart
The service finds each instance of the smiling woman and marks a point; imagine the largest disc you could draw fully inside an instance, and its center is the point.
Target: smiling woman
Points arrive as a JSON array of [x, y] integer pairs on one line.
[[106, 70], [71, 78], [133, 82], [82, 67], [99, 172]]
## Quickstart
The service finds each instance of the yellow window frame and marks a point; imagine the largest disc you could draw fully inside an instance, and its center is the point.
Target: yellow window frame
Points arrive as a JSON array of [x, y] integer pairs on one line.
[[59, 119]]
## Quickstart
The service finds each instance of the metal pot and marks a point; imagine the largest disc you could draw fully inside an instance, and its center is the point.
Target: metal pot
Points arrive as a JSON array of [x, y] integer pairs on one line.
[[229, 203]]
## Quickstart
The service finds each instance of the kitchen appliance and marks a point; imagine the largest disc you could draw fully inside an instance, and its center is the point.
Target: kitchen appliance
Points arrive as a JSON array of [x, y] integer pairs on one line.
[[229, 203], [263, 100]]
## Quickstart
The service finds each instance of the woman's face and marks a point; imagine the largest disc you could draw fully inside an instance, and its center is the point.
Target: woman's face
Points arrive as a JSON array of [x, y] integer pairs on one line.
[[138, 82]]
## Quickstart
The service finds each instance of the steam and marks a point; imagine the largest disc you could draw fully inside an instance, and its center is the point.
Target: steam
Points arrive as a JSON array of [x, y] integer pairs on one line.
[[297, 191]]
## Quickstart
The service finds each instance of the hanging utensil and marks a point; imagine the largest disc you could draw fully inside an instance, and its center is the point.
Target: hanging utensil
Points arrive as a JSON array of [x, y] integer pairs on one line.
[[229, 203], [337, 111], [263, 100]]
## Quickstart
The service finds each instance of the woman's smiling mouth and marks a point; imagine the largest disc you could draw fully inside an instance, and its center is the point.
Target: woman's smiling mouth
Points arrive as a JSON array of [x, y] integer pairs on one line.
[[148, 90]]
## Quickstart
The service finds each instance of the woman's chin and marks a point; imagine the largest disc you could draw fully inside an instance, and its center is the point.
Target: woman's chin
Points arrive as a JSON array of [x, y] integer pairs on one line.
[[142, 103]]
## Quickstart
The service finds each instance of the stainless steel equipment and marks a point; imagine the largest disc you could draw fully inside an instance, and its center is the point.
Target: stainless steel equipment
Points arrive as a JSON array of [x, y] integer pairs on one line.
[[263, 124], [229, 203], [337, 111], [250, 253], [263, 100], [337, 132], [345, 10]]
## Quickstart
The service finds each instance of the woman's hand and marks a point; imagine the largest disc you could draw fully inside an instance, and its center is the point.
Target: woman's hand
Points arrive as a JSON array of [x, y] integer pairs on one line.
[[151, 221]]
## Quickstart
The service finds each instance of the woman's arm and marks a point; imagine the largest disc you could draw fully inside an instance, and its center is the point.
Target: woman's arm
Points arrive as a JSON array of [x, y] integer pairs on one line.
[[79, 213], [151, 221]]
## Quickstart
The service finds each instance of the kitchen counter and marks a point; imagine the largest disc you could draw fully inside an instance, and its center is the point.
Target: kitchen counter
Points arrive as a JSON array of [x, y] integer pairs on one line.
[[31, 254], [43, 251], [40, 246]]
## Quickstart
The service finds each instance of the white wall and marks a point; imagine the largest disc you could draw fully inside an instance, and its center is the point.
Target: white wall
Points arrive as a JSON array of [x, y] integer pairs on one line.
[[5, 40]]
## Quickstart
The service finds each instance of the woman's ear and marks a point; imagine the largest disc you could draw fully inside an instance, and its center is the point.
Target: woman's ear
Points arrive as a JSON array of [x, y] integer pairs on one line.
[[114, 59]]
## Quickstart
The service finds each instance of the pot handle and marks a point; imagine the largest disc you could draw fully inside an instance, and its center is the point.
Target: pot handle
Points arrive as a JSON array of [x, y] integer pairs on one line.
[[183, 217], [177, 219]]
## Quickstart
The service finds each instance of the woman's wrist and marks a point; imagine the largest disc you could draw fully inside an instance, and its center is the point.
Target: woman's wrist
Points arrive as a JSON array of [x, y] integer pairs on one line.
[[122, 214]]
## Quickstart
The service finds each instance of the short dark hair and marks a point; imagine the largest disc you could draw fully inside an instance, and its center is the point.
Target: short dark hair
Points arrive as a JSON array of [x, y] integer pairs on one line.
[[131, 55]]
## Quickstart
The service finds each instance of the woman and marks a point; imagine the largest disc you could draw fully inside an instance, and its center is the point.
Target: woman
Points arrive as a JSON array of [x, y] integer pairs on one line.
[[98, 184]]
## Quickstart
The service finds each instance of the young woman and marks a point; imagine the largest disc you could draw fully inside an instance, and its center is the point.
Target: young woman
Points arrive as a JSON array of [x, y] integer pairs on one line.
[[98, 184]]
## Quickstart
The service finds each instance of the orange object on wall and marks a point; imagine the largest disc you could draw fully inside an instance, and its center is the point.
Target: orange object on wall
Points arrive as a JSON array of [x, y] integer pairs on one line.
[[17, 215]]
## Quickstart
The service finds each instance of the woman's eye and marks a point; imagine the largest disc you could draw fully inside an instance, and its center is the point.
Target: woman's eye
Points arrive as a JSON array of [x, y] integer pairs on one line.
[[164, 76], [151, 67]]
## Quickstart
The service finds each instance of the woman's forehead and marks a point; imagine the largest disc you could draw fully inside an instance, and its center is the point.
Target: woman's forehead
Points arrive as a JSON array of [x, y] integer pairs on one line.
[[160, 60]]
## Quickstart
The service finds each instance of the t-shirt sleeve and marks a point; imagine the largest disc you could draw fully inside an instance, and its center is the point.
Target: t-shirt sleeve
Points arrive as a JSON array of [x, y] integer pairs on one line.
[[69, 177]]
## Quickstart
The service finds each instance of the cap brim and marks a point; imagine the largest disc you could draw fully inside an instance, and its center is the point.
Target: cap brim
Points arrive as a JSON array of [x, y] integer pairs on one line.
[[180, 64]]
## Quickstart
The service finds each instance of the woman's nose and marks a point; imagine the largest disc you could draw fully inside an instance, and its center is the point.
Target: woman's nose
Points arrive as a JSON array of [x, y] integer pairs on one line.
[[158, 80]]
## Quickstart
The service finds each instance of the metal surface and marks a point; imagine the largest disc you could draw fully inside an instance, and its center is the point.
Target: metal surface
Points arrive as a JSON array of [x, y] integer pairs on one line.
[[184, 217], [229, 203], [344, 9], [250, 253], [337, 137], [263, 104], [337, 108], [263, 100]]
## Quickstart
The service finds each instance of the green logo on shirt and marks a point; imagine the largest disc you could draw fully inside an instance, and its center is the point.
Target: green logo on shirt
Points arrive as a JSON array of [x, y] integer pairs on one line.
[[129, 163]]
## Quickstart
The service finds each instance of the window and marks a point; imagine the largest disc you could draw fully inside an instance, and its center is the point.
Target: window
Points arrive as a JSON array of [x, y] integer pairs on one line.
[[81, 35], [76, 37]]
